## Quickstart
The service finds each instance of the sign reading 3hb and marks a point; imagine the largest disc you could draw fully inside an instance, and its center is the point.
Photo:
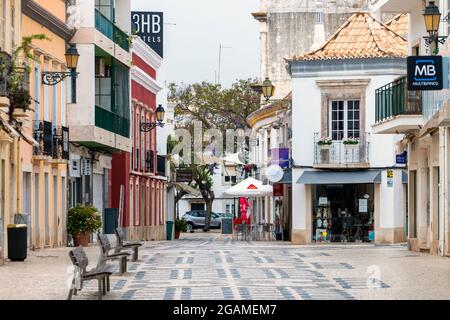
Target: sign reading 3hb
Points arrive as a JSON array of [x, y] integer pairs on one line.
[[149, 27], [425, 73]]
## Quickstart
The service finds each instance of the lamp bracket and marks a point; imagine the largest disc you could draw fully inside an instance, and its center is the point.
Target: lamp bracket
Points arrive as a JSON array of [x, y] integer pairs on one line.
[[53, 78], [149, 126]]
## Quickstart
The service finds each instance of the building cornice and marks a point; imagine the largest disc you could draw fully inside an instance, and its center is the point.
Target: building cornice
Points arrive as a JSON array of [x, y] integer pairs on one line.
[[145, 80], [41, 15], [141, 49]]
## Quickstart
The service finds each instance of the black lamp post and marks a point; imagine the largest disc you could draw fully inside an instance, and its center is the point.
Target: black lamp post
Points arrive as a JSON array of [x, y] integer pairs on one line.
[[432, 17], [149, 126], [53, 78]]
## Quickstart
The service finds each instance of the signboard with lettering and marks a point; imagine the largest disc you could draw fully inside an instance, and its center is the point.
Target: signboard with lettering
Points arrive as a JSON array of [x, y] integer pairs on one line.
[[149, 27], [402, 158], [184, 175], [425, 73]]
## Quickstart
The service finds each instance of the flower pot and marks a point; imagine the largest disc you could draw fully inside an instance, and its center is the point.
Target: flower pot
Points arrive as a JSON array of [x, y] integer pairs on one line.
[[81, 239], [325, 146], [351, 146], [177, 234]]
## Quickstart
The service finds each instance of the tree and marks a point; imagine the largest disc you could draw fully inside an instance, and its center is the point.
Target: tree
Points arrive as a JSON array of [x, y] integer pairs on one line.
[[215, 108]]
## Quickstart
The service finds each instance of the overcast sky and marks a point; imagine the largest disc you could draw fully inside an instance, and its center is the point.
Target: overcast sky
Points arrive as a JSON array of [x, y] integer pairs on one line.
[[191, 47]]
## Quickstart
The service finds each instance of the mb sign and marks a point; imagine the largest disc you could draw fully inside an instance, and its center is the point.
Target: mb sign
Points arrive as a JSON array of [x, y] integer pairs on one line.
[[149, 27], [425, 73]]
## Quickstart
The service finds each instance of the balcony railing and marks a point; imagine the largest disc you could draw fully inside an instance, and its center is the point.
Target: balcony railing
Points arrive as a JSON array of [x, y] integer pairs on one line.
[[43, 134], [340, 154], [433, 101], [5, 73], [109, 29], [161, 166], [150, 161], [60, 143], [394, 99], [112, 122]]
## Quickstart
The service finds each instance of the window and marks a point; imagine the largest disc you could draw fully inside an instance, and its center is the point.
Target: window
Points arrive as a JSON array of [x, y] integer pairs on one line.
[[229, 208], [13, 23], [344, 119], [3, 24], [231, 179], [37, 92], [106, 7]]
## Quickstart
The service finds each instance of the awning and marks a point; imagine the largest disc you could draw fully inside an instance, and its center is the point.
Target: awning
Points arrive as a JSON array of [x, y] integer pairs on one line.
[[287, 178], [327, 177], [188, 189]]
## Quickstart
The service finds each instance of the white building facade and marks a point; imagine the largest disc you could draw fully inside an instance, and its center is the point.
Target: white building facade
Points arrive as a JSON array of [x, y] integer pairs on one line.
[[423, 119], [346, 185]]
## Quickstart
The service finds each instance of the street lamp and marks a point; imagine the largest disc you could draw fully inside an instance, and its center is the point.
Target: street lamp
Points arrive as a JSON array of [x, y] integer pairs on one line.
[[432, 17], [149, 126], [268, 89], [50, 78]]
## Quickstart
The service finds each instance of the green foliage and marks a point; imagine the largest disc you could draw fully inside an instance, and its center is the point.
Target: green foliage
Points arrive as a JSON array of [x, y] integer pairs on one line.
[[180, 225], [83, 219]]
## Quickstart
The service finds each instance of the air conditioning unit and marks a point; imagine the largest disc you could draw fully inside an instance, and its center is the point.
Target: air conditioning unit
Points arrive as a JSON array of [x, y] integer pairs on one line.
[[100, 67]]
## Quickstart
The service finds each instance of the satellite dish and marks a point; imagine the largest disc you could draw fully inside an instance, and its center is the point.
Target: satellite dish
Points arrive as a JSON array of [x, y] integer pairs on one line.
[[274, 173]]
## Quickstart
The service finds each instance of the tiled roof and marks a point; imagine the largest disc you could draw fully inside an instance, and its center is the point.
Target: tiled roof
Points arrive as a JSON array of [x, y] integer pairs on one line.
[[399, 24], [362, 36]]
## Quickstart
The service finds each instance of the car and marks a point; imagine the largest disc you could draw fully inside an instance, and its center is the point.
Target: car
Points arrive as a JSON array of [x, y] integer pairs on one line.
[[196, 219]]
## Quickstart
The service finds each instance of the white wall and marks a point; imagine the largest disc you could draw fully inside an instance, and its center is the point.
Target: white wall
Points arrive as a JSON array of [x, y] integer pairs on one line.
[[306, 119]]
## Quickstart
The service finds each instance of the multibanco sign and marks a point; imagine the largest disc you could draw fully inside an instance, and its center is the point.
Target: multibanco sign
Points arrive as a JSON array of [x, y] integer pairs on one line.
[[425, 73]]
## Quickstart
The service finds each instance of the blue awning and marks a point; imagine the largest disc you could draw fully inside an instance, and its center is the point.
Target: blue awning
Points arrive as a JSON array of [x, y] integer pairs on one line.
[[287, 178], [340, 177]]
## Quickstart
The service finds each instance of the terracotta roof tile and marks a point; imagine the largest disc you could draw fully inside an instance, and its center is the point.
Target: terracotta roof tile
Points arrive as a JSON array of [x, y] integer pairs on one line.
[[362, 36], [399, 24]]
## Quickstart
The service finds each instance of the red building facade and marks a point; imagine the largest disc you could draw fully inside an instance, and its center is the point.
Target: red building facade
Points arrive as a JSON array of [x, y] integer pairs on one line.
[[141, 172]]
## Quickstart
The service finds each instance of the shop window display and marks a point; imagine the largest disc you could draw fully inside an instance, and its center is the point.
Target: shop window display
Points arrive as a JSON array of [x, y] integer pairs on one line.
[[343, 213]]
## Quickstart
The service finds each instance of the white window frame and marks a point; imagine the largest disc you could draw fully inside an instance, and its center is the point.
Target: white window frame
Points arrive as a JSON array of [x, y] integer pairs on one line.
[[345, 119]]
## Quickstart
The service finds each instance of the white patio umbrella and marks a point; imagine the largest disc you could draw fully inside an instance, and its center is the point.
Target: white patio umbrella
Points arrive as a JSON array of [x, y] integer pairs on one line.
[[250, 187]]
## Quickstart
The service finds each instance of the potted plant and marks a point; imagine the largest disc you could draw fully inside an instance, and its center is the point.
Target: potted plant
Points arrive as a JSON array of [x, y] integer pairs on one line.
[[325, 143], [351, 143], [180, 226], [81, 222]]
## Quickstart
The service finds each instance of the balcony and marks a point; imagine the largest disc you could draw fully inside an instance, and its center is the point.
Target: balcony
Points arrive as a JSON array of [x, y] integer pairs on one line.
[[338, 154], [53, 141], [110, 30], [397, 110], [112, 122], [161, 166]]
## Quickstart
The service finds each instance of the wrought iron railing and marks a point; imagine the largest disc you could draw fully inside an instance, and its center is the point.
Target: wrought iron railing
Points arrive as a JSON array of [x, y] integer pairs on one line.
[[43, 134], [340, 153], [150, 161], [60, 148], [394, 99], [5, 73], [109, 29]]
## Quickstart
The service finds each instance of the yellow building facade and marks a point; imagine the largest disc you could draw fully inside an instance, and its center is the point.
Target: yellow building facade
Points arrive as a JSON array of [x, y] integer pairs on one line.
[[10, 23], [43, 180]]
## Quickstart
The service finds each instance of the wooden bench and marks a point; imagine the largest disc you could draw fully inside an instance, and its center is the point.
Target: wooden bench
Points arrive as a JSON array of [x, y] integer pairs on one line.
[[105, 247], [81, 274], [121, 245]]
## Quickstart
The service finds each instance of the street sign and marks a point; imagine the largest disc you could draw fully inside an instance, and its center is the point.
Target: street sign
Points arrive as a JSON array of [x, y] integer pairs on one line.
[[425, 73], [402, 158], [184, 175], [390, 178], [149, 27]]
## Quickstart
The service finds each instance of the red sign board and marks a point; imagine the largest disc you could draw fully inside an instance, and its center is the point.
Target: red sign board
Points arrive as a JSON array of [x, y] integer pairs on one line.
[[278, 190]]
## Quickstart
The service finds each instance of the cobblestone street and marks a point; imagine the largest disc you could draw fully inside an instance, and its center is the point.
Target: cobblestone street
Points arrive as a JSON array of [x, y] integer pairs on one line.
[[202, 266]]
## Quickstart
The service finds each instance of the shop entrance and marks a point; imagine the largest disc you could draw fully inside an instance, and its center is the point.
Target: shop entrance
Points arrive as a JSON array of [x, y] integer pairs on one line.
[[343, 213]]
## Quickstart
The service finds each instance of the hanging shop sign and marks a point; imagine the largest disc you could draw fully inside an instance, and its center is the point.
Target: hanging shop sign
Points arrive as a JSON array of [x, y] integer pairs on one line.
[[149, 27], [278, 190], [184, 175], [363, 206], [86, 168], [425, 73]]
